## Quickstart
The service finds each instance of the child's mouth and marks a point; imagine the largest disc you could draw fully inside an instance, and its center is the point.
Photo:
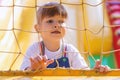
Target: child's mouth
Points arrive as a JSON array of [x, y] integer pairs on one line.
[[56, 32]]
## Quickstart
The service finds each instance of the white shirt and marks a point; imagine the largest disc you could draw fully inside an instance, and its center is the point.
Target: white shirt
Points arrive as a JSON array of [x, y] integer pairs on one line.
[[76, 61]]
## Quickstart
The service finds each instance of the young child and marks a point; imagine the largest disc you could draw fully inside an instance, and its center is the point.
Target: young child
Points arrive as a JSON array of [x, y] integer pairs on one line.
[[52, 52]]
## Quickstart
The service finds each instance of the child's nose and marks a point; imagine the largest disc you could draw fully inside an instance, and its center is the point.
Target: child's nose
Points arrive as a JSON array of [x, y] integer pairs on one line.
[[57, 25]]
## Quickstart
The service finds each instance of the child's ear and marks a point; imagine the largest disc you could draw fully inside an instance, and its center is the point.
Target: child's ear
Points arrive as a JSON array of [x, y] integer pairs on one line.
[[37, 28]]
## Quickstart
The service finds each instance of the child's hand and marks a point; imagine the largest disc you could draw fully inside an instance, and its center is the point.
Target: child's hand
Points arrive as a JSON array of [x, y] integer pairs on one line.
[[100, 67], [40, 62]]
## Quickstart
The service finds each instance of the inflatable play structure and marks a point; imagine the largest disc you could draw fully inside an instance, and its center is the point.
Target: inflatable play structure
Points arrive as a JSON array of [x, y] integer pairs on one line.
[[93, 24], [114, 18]]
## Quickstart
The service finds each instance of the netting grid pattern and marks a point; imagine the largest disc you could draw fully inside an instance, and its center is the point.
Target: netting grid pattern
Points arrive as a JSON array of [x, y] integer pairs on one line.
[[13, 29]]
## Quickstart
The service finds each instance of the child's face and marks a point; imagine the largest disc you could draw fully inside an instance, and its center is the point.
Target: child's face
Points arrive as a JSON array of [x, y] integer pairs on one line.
[[52, 28]]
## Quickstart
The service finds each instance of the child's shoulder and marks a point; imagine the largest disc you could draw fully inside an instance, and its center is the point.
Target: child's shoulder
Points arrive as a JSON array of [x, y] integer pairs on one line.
[[71, 50], [70, 47], [33, 48], [34, 45]]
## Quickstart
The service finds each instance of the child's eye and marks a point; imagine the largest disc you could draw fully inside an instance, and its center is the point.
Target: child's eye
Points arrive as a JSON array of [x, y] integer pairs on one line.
[[50, 21]]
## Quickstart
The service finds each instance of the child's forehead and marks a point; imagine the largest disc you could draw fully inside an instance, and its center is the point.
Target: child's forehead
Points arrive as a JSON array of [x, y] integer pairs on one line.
[[55, 16]]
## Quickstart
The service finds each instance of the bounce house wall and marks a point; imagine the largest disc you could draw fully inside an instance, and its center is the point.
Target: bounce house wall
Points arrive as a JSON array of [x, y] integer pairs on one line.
[[113, 9], [88, 31]]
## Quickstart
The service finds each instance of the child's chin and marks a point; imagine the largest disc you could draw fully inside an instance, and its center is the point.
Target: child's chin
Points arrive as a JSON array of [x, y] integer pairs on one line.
[[57, 37]]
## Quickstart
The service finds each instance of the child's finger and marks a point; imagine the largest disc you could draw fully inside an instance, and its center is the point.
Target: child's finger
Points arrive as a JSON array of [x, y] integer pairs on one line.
[[38, 58], [45, 58], [107, 68], [34, 64], [102, 68], [35, 61], [31, 59], [97, 64], [49, 62]]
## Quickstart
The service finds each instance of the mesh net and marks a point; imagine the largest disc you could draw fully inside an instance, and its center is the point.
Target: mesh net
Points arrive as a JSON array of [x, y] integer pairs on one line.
[[89, 29]]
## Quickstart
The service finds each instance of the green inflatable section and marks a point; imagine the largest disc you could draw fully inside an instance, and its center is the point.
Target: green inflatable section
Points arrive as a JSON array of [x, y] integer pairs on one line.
[[106, 60]]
